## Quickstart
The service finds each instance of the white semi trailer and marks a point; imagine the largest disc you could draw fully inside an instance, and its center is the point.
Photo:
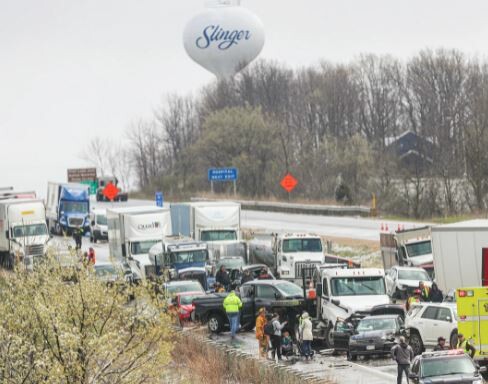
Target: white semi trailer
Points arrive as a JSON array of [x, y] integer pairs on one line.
[[218, 223], [23, 231], [461, 254], [132, 231]]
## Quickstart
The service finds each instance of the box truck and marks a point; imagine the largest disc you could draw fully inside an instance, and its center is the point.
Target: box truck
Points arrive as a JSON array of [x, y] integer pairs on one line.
[[67, 207], [218, 223], [132, 231], [461, 254], [23, 231]]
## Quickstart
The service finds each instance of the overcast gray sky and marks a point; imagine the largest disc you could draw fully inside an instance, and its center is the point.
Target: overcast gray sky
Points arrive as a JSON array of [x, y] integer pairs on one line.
[[74, 69]]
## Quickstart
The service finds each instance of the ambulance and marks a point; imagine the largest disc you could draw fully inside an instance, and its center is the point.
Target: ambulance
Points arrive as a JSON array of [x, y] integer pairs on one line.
[[472, 308]]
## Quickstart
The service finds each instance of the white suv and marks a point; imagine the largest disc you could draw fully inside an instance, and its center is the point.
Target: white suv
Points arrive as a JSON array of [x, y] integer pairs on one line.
[[401, 281], [425, 322]]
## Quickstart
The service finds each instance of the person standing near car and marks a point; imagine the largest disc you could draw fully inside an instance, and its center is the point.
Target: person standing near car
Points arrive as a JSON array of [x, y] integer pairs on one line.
[[222, 277], [232, 306], [441, 344], [306, 335], [276, 337], [403, 354], [77, 235], [246, 276], [260, 336], [465, 345]]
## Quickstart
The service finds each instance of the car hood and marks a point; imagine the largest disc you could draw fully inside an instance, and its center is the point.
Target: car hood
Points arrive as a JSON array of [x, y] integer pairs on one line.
[[417, 261], [362, 303], [450, 379], [413, 283], [373, 334]]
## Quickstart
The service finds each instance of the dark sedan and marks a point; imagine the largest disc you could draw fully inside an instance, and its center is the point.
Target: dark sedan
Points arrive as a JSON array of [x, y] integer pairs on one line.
[[375, 335]]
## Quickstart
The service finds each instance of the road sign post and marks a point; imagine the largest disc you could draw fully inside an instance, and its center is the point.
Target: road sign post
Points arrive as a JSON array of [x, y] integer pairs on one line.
[[223, 174]]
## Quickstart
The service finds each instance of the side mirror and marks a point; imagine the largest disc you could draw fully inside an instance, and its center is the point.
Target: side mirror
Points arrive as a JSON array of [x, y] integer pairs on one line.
[[483, 369], [277, 296], [448, 318], [93, 223], [336, 302]]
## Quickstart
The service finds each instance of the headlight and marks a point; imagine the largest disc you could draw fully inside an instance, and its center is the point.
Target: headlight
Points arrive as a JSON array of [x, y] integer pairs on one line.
[[478, 381], [384, 337], [283, 273], [352, 341], [183, 312]]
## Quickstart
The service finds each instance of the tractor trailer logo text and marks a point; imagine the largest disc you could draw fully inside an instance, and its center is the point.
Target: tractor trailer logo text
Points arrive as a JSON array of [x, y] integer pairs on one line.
[[148, 226]]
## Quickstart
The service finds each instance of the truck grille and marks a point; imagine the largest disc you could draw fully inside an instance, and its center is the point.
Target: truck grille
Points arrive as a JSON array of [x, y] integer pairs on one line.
[[307, 268], [75, 221], [34, 250]]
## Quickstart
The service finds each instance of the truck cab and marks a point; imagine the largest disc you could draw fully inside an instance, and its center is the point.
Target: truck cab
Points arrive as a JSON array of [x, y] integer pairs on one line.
[[297, 254], [24, 233], [347, 294], [176, 253], [411, 247]]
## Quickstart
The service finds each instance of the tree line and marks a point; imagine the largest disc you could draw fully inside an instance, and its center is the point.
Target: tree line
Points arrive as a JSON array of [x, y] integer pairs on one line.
[[329, 125]]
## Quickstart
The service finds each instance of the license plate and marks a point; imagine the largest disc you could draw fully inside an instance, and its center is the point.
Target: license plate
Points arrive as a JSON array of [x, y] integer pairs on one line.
[[370, 347]]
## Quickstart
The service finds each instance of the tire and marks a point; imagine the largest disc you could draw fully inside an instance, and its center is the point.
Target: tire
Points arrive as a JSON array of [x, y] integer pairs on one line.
[[329, 341], [416, 343], [453, 340], [351, 356], [215, 323]]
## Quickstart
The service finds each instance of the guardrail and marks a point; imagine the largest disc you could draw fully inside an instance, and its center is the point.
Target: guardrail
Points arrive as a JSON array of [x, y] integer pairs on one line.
[[309, 209]]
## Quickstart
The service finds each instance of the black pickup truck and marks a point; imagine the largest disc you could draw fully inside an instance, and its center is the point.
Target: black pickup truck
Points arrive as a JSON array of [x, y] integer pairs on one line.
[[275, 295]]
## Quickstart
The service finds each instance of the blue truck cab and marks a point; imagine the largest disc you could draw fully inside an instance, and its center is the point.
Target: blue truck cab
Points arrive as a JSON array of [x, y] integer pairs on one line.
[[67, 207]]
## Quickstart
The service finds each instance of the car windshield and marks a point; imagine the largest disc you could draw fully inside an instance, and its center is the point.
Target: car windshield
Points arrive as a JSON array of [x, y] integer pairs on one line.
[[302, 245], [236, 263], [451, 365], [101, 220], [376, 325], [352, 286], [74, 207], [142, 247], [187, 287], [415, 274], [30, 230], [199, 256], [187, 299], [105, 270], [290, 289], [419, 249], [220, 235]]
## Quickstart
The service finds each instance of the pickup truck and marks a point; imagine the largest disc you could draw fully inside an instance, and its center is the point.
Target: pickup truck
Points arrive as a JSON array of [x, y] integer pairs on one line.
[[279, 296]]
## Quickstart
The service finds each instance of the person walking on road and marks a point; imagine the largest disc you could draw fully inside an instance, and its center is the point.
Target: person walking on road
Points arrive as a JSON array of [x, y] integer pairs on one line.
[[222, 277], [91, 256], [306, 335], [77, 235], [441, 344], [232, 306], [465, 345], [276, 337], [260, 336], [402, 353], [436, 295]]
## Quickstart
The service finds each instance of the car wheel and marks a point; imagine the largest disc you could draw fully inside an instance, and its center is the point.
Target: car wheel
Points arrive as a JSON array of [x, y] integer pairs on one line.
[[351, 356], [453, 340], [329, 339], [215, 323], [416, 343]]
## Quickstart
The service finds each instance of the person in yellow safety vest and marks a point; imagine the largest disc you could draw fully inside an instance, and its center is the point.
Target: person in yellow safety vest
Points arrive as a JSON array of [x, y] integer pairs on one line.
[[232, 306], [465, 345], [424, 291], [413, 299]]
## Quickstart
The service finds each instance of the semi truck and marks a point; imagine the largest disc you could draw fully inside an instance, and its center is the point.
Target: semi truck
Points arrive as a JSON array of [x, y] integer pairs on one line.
[[23, 231], [461, 254], [67, 207], [347, 295], [102, 182], [410, 247], [132, 231], [216, 223]]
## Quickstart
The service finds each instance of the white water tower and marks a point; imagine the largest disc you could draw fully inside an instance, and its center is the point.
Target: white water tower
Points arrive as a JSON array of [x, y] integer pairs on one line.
[[224, 38]]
